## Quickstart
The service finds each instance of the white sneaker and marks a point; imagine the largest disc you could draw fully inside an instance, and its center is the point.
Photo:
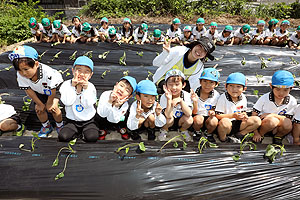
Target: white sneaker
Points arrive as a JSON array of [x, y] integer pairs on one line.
[[162, 135], [290, 138], [188, 137]]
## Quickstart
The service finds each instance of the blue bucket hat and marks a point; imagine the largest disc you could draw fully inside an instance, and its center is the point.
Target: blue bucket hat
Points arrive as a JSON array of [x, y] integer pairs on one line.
[[146, 87], [210, 74], [283, 79], [174, 72], [236, 78], [132, 82], [23, 52], [86, 61]]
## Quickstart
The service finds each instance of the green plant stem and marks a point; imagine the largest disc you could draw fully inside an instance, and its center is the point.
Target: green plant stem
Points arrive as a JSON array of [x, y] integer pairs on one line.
[[66, 161], [61, 150], [178, 136], [128, 145]]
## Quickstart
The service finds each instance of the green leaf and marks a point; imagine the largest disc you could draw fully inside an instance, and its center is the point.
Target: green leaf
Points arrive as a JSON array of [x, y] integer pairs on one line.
[[212, 145], [127, 150], [59, 176], [236, 157], [184, 136], [255, 92], [270, 150], [175, 144], [35, 135], [184, 145], [72, 142], [142, 146], [55, 163], [21, 146]]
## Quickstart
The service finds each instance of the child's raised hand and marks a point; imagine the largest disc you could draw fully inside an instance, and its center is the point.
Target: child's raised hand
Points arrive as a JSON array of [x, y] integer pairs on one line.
[[194, 96], [139, 109], [75, 79], [167, 92], [167, 45], [84, 81], [113, 97], [158, 109], [119, 102], [39, 108]]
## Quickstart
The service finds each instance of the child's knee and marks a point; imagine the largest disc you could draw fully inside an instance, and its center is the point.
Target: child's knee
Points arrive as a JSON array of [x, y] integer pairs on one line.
[[287, 124], [255, 121], [270, 122], [213, 122], [187, 120], [198, 119]]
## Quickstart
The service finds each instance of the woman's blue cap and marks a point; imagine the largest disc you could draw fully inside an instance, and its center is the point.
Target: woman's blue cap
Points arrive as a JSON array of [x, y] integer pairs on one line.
[[210, 74], [23, 52], [131, 81], [146, 87], [86, 61], [236, 78], [283, 79]]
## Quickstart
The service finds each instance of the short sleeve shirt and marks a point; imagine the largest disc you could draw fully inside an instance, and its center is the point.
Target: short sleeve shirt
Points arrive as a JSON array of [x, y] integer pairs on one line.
[[210, 36], [173, 34], [76, 32], [198, 34], [259, 35], [184, 39], [224, 39], [49, 32], [210, 103], [238, 33], [64, 30], [295, 38], [280, 34], [40, 28], [297, 115], [269, 33]]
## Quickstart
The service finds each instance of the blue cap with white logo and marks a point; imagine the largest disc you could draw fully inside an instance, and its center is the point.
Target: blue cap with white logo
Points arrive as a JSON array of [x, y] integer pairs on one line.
[[146, 87], [282, 79], [174, 72], [210, 74], [236, 78], [23, 52], [86, 61], [131, 81]]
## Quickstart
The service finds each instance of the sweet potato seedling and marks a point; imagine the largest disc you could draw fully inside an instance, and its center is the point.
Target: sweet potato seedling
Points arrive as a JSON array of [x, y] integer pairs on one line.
[[175, 145], [104, 55], [122, 60], [89, 54], [33, 140], [104, 73], [272, 150], [73, 56], [243, 145], [26, 103], [40, 56], [140, 53], [203, 144], [56, 56]]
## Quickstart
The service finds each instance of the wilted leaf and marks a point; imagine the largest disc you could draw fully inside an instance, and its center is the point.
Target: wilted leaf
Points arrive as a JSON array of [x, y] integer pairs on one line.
[[142, 146]]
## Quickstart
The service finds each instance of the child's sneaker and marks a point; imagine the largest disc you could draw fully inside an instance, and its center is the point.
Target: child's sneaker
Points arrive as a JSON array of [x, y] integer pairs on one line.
[[135, 135], [162, 135], [277, 140], [151, 133], [290, 138], [58, 129], [102, 134], [210, 137], [197, 135], [45, 131], [124, 134], [188, 137], [20, 131]]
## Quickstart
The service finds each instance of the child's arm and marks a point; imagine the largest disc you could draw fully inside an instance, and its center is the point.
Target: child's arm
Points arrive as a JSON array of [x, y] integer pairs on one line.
[[39, 105], [64, 40], [194, 98], [50, 103], [185, 108], [160, 119], [135, 119], [169, 107], [67, 93]]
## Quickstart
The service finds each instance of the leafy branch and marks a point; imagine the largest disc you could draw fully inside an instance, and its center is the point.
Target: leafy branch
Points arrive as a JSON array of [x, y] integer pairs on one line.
[[56, 161], [271, 152], [180, 138], [202, 144], [140, 145], [263, 63], [259, 78], [33, 140], [243, 62], [243, 145]]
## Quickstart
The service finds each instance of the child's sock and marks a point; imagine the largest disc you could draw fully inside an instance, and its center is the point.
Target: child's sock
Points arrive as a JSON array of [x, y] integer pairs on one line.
[[45, 124], [19, 127], [59, 124]]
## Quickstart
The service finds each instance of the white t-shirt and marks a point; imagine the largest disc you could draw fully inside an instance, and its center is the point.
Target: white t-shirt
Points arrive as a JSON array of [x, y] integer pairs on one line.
[[6, 111], [184, 39], [75, 32], [225, 105], [259, 35], [224, 39], [279, 34], [269, 33], [210, 36], [48, 79], [177, 111], [198, 34], [126, 34], [205, 105], [113, 114], [64, 30], [133, 122], [90, 34], [238, 33], [295, 39], [41, 29], [173, 34], [102, 30], [266, 104], [49, 32], [139, 36], [79, 107], [297, 115]]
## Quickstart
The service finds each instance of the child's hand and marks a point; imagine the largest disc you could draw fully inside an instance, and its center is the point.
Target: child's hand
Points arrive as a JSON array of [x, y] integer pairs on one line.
[[50, 106], [256, 137], [39, 108], [84, 81], [176, 101], [119, 102], [112, 97], [167, 45], [240, 116], [167, 93], [75, 79], [139, 109], [158, 109], [194, 96], [211, 113]]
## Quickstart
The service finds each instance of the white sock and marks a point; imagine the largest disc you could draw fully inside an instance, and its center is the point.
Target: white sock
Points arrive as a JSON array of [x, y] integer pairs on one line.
[[59, 124], [19, 127], [46, 123]]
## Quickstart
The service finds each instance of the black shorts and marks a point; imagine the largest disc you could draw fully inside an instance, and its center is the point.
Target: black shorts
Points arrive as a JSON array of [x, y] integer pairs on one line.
[[236, 125], [175, 125], [103, 124], [15, 117], [42, 97]]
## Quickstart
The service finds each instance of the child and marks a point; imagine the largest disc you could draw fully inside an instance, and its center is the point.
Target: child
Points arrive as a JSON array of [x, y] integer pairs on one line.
[[77, 29], [225, 37], [177, 105], [296, 126], [199, 30], [276, 108], [145, 112], [48, 30], [270, 31], [187, 35], [258, 34], [10, 120], [113, 36], [127, 31], [231, 110], [40, 83], [282, 34], [62, 32], [241, 35], [89, 33], [113, 106], [213, 32], [294, 42], [103, 31], [204, 103], [140, 34], [79, 97], [157, 37], [36, 29], [174, 31]]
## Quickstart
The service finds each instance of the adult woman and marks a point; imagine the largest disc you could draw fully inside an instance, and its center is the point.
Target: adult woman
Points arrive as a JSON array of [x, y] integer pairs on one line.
[[187, 58]]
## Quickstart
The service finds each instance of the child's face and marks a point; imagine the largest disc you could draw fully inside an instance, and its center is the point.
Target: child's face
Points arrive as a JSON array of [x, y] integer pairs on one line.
[[260, 27], [298, 33], [187, 34], [104, 25], [174, 84], [83, 72], [284, 27], [176, 26], [122, 89], [112, 37], [226, 33], [146, 100], [126, 24], [200, 26], [235, 90], [213, 29], [27, 71], [198, 52], [207, 85], [281, 93], [76, 21], [47, 27]]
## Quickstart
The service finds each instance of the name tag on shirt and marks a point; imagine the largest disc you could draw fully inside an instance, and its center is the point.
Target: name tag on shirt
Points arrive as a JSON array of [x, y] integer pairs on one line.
[[47, 92], [79, 108]]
